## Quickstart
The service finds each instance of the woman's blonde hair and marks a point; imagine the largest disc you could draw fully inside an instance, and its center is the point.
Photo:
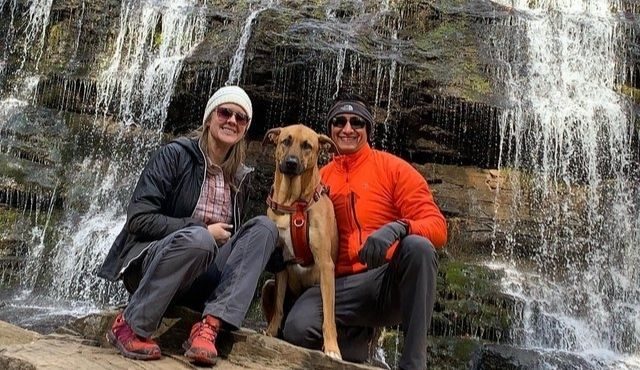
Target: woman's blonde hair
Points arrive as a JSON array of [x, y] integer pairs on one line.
[[234, 158]]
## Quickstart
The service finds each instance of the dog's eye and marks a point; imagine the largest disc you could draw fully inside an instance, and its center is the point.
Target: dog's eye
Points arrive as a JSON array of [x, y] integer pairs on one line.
[[287, 141], [306, 146]]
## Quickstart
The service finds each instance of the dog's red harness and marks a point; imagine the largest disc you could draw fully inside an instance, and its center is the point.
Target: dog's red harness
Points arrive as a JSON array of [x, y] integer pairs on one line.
[[299, 227]]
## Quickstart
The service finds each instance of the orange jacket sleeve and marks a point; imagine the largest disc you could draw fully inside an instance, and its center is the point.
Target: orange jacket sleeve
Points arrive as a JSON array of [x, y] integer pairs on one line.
[[417, 206]]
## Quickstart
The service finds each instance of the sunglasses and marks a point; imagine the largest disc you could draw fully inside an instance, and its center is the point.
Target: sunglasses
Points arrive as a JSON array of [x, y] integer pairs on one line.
[[355, 122], [226, 114]]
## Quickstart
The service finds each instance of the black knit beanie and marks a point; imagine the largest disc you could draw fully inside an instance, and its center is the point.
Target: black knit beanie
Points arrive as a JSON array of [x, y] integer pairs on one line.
[[351, 107]]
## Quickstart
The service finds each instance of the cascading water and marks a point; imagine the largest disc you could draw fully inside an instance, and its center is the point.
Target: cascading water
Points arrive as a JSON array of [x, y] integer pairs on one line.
[[567, 145], [154, 38], [39, 12], [344, 63], [9, 36], [137, 86], [235, 71]]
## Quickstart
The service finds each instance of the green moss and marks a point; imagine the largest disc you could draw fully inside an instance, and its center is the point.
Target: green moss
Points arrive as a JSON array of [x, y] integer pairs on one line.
[[450, 51], [8, 218], [11, 170], [55, 35], [442, 40], [451, 353], [464, 348], [157, 39], [474, 85], [464, 279], [632, 92], [470, 302]]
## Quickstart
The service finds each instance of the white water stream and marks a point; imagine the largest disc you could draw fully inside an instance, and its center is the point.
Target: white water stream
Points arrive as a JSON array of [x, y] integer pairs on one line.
[[237, 63], [153, 40], [568, 133]]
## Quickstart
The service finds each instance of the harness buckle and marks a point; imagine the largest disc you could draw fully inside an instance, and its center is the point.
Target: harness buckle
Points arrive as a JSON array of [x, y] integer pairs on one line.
[[298, 222]]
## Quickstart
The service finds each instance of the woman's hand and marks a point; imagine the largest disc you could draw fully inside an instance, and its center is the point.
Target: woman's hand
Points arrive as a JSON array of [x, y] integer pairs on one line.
[[220, 232]]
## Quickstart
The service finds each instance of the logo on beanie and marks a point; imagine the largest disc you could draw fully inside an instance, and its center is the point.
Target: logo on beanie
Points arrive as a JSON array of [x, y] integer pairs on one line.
[[348, 107]]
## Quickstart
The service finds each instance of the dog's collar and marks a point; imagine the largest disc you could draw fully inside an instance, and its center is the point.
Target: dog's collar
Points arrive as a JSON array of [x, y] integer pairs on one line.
[[298, 205]]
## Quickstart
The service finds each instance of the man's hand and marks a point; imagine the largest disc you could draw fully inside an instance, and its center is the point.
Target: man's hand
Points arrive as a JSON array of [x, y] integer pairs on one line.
[[375, 248]]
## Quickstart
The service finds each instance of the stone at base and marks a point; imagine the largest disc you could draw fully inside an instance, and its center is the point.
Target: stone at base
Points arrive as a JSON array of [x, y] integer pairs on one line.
[[81, 345]]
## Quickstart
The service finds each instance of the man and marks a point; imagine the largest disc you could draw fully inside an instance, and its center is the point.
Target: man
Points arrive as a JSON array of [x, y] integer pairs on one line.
[[388, 226]]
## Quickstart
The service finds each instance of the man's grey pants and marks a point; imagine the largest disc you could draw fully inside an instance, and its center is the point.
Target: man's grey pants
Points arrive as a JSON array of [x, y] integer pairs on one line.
[[402, 291], [186, 267]]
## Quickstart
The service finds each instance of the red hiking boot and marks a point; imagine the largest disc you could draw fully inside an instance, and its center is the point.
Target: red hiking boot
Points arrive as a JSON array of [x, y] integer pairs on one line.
[[201, 345], [129, 343]]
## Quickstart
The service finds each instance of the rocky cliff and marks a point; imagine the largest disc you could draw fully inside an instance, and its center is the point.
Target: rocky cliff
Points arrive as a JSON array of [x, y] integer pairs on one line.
[[89, 89]]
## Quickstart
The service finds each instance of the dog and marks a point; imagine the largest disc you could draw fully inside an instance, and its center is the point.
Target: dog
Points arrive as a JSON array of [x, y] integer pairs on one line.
[[299, 205]]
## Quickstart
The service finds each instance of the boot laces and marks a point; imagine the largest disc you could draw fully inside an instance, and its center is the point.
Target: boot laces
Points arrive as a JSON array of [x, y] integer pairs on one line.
[[206, 331]]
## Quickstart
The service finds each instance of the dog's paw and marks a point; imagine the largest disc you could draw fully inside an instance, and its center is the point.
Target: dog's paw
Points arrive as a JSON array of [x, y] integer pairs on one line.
[[333, 354]]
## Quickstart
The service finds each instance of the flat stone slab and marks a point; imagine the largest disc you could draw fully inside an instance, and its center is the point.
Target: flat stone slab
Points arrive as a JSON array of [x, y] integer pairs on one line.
[[11, 334], [82, 345]]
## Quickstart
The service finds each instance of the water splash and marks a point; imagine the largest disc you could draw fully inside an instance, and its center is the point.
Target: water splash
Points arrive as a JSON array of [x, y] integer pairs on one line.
[[568, 136]]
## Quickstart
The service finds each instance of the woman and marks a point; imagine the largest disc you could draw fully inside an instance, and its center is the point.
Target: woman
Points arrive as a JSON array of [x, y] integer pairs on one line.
[[177, 244]]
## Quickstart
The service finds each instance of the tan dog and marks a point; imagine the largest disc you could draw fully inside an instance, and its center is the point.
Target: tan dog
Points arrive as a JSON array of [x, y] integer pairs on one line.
[[299, 202]]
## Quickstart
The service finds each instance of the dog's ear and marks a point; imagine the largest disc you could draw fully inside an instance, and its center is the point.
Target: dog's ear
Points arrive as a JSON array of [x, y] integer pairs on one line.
[[327, 144], [271, 136]]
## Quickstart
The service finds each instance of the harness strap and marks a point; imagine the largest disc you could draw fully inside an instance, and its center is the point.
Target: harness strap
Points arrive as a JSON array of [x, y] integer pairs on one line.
[[299, 226], [299, 229]]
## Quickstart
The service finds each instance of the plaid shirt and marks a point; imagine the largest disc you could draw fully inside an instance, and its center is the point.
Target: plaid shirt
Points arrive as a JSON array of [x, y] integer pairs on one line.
[[214, 204]]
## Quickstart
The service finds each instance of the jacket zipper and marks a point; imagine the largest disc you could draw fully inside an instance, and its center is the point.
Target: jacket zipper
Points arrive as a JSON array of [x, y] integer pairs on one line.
[[124, 268], [355, 218], [236, 211], [203, 180], [352, 204]]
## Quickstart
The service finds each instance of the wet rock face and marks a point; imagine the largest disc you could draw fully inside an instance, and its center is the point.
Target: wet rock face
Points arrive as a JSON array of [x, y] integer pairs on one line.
[[495, 356], [427, 68], [418, 56]]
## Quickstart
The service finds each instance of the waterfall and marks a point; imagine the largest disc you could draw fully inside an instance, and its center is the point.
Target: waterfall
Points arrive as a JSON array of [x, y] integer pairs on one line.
[[39, 12], [137, 85], [80, 19], [235, 71], [154, 38], [8, 39], [567, 151], [342, 55]]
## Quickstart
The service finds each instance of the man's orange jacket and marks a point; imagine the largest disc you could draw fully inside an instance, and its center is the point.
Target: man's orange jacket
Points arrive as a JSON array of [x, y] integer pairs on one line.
[[370, 188]]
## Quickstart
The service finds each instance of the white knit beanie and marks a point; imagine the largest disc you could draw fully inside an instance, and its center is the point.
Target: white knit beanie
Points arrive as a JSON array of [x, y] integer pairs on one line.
[[229, 94]]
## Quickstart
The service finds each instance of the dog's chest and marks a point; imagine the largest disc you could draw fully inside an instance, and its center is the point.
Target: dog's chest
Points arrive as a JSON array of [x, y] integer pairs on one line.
[[284, 230]]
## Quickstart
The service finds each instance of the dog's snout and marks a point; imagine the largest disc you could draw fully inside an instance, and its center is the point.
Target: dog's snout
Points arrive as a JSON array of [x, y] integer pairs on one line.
[[292, 161], [290, 165]]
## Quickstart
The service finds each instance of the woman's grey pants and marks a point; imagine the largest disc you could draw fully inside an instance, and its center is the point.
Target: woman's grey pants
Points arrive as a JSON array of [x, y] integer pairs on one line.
[[400, 292], [187, 268]]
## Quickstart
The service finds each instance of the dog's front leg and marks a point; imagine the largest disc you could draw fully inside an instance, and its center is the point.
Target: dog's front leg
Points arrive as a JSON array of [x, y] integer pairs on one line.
[[281, 289], [327, 290]]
